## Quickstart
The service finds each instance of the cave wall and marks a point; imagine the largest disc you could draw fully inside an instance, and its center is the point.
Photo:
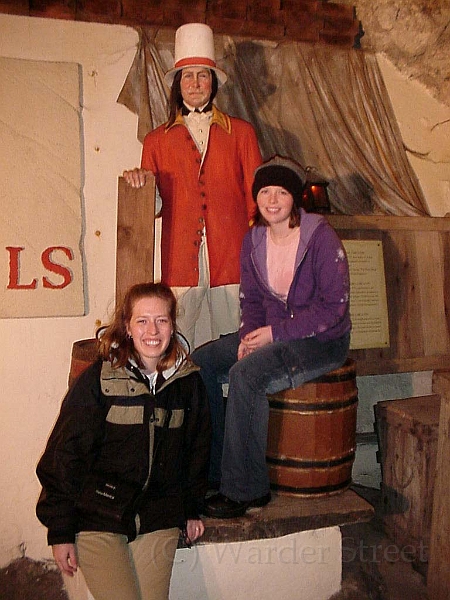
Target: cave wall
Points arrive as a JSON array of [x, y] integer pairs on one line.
[[413, 34]]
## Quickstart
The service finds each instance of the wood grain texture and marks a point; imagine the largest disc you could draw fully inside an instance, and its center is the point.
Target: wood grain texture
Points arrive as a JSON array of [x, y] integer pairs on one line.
[[135, 235], [408, 440], [438, 581], [417, 271]]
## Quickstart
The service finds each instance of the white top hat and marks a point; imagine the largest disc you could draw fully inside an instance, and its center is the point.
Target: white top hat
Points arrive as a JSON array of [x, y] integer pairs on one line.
[[194, 47]]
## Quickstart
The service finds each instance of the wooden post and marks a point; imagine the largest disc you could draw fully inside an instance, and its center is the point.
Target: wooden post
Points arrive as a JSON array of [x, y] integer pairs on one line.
[[438, 580], [135, 235]]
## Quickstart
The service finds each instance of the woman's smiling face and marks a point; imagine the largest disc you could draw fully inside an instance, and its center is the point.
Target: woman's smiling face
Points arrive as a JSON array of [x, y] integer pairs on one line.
[[151, 328], [275, 204]]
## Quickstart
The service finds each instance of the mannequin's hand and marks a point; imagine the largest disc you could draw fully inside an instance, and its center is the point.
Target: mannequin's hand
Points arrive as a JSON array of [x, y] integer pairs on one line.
[[137, 178]]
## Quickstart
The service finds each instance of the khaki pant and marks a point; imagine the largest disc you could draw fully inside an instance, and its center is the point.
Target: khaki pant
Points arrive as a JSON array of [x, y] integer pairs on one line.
[[116, 570]]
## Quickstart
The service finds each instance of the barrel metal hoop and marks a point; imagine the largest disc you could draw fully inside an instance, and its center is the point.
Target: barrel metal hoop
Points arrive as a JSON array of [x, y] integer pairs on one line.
[[311, 464], [326, 489], [305, 407]]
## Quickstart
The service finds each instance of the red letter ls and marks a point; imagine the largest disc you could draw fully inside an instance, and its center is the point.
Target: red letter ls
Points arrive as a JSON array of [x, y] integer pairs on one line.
[[14, 270]]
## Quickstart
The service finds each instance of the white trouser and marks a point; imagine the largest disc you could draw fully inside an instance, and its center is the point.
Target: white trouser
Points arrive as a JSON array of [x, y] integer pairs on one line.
[[220, 303]]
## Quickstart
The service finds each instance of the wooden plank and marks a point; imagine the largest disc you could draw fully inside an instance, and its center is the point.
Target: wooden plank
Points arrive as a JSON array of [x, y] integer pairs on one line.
[[430, 271], [406, 292], [386, 222], [383, 366], [287, 514], [438, 580], [135, 235], [417, 272]]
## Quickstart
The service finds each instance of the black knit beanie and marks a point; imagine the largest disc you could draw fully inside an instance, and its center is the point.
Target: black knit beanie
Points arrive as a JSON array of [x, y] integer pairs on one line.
[[282, 172]]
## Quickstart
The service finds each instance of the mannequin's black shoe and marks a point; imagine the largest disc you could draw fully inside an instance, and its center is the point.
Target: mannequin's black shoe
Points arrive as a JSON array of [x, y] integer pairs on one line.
[[221, 507]]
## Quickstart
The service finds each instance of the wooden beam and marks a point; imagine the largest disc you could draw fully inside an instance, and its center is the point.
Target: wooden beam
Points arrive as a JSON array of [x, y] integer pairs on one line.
[[438, 580], [135, 235]]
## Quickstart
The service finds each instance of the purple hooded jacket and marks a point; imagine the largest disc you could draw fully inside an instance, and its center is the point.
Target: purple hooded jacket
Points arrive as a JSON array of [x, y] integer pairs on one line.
[[318, 299]]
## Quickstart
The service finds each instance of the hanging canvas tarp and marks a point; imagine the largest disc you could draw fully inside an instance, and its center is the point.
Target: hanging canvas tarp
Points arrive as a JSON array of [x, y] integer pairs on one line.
[[326, 107]]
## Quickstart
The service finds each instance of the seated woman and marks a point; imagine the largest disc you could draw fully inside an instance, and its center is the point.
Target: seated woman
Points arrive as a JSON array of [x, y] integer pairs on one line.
[[125, 467], [295, 326]]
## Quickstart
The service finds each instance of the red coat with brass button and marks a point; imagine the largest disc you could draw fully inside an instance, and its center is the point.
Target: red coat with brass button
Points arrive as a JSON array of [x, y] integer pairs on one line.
[[215, 193]]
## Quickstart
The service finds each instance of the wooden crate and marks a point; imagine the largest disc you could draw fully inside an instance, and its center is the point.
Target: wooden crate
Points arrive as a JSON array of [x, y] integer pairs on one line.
[[408, 436]]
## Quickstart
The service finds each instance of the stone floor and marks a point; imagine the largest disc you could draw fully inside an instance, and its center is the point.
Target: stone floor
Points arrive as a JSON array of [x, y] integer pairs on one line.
[[374, 568]]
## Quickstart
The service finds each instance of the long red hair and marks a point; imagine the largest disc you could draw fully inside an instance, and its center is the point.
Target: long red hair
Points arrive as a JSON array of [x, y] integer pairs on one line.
[[115, 344]]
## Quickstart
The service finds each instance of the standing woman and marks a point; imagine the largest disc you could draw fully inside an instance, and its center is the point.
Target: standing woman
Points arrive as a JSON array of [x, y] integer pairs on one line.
[[125, 467], [295, 326]]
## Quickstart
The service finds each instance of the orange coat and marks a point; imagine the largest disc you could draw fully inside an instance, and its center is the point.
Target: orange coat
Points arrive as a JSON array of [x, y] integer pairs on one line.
[[215, 194]]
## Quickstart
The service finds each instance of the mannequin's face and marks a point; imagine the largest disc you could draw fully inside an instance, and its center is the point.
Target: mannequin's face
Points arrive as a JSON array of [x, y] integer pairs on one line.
[[196, 86]]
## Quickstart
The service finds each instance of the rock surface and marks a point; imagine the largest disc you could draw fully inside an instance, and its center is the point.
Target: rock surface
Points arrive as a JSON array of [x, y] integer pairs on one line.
[[414, 35]]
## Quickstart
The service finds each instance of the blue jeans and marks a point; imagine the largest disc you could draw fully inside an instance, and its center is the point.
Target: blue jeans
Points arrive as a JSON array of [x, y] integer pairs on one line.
[[242, 428], [215, 360]]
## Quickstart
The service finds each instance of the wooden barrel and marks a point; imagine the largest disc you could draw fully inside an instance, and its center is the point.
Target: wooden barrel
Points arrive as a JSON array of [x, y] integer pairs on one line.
[[312, 435], [84, 353]]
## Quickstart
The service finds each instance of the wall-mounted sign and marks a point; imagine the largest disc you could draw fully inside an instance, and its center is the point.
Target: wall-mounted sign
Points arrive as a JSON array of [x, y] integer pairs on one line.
[[41, 267], [368, 303]]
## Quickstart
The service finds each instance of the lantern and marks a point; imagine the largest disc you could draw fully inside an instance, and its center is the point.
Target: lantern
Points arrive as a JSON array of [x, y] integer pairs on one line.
[[315, 193]]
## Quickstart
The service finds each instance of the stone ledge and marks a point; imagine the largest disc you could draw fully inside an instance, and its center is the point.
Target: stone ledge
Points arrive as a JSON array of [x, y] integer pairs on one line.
[[288, 514]]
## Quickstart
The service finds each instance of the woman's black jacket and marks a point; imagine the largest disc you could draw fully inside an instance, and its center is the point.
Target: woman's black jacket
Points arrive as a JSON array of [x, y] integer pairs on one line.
[[111, 423]]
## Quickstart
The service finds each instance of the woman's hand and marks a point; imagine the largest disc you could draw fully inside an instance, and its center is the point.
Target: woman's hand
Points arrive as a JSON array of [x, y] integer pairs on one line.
[[65, 557], [243, 351], [194, 529], [254, 340], [137, 178]]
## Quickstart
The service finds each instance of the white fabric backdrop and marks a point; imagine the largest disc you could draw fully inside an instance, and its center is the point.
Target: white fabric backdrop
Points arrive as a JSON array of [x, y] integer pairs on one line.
[[40, 189]]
